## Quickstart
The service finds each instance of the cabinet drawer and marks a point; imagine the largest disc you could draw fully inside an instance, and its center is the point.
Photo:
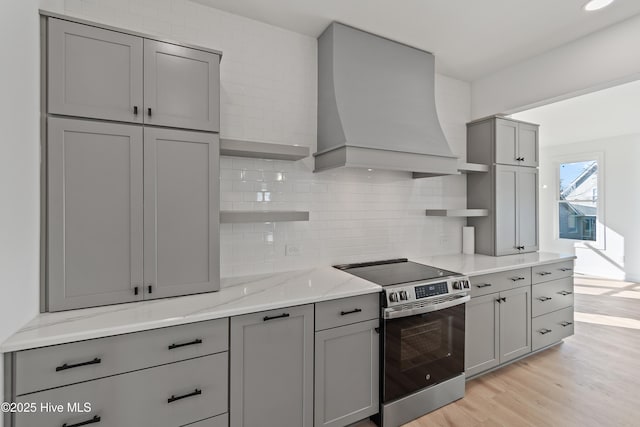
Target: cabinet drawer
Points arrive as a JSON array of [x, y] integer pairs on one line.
[[330, 314], [169, 395], [551, 328], [548, 272], [55, 366], [552, 296], [219, 421], [498, 282]]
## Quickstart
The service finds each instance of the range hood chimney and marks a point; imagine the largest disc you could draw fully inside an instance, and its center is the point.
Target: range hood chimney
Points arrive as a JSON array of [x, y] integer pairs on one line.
[[376, 106]]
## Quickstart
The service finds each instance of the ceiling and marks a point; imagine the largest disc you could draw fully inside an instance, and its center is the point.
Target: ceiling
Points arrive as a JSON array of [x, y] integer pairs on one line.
[[597, 115], [470, 38]]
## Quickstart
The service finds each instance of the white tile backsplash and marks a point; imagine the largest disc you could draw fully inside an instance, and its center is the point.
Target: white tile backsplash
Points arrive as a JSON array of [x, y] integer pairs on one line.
[[268, 93]]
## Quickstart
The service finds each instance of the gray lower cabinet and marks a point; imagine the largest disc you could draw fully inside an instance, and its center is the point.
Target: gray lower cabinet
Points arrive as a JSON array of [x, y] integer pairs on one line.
[[170, 395], [94, 72], [271, 369], [347, 374], [498, 329], [181, 220], [181, 87], [95, 213]]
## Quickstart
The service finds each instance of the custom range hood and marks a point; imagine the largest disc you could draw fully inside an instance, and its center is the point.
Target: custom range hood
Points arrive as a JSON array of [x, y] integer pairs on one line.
[[376, 106]]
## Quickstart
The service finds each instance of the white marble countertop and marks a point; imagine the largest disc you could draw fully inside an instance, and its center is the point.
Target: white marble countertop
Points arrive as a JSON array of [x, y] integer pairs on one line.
[[237, 296], [482, 264]]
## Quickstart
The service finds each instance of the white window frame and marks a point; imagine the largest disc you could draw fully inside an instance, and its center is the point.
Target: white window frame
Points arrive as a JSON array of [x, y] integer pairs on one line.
[[601, 228]]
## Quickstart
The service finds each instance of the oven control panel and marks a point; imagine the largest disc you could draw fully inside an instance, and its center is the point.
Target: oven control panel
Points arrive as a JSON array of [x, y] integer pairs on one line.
[[400, 294]]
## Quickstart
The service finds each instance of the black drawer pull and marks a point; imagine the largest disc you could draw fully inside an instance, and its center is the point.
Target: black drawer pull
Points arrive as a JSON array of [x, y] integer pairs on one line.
[[196, 392], [344, 313], [565, 324], [516, 279], [135, 110], [544, 331], [543, 299], [267, 318], [486, 285], [545, 273], [194, 342], [565, 293], [504, 299], [77, 365], [149, 110], [94, 420], [566, 269]]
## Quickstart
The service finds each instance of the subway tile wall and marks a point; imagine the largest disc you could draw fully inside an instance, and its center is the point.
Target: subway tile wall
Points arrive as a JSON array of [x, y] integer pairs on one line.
[[268, 93]]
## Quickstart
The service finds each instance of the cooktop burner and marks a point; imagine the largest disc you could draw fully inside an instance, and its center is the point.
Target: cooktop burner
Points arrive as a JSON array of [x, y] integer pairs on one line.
[[394, 271]]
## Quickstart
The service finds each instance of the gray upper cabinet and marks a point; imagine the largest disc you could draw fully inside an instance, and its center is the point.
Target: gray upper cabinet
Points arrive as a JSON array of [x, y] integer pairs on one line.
[[181, 87], [93, 72], [502, 141], [506, 210], [110, 75], [527, 208], [347, 374], [95, 213], [181, 220], [271, 370]]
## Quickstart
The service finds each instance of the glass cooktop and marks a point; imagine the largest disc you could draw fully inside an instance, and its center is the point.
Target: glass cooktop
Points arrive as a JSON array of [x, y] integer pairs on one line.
[[394, 271]]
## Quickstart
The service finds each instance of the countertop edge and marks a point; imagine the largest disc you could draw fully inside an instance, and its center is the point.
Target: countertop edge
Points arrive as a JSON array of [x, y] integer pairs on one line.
[[523, 265]]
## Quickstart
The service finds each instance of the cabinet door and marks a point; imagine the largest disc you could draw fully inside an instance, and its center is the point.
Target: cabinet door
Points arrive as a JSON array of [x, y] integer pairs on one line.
[[482, 348], [181, 87], [506, 142], [181, 220], [94, 72], [94, 213], [272, 368], [527, 191], [506, 213], [515, 323], [347, 372], [528, 144]]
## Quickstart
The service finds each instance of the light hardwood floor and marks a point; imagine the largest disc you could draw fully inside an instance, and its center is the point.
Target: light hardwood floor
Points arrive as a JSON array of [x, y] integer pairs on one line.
[[592, 379]]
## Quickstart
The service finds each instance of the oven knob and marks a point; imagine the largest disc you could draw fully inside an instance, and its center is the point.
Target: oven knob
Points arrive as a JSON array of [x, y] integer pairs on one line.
[[403, 295], [393, 297], [457, 285], [466, 284]]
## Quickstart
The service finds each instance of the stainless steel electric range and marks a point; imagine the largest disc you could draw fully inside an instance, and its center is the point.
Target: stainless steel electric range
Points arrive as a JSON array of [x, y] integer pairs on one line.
[[423, 328]]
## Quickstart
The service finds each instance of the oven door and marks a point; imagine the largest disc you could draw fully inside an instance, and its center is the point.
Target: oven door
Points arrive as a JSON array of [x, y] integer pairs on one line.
[[421, 350]]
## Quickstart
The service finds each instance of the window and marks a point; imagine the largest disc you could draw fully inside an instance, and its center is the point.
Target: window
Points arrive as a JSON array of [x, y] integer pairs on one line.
[[578, 200]]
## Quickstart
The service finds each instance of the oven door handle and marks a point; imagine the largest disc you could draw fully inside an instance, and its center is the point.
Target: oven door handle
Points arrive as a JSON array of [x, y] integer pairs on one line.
[[394, 314]]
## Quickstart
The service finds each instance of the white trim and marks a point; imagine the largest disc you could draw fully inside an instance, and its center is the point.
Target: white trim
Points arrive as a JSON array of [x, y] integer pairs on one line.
[[601, 227]]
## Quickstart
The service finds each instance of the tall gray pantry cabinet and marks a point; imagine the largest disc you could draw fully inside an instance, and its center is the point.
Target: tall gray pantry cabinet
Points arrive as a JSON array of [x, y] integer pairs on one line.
[[132, 206], [509, 191]]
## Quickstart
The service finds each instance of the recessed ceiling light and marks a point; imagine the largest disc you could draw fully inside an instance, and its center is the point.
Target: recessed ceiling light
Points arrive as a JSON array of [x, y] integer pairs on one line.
[[597, 5]]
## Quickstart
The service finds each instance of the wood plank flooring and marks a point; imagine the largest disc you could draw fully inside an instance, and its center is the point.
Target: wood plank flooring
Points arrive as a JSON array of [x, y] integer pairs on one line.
[[592, 379]]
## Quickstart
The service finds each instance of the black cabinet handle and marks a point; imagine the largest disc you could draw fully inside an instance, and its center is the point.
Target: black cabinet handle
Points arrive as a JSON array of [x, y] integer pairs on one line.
[[344, 313], [498, 301], [565, 293], [486, 285], [135, 290], [516, 279], [544, 331], [543, 299], [266, 318], [504, 299], [194, 342], [565, 324], [77, 365], [150, 289], [544, 273], [566, 269], [149, 111], [377, 330], [196, 392], [94, 420], [135, 110]]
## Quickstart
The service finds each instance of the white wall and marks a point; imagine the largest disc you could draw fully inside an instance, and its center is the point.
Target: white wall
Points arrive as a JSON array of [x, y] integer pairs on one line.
[[601, 59], [268, 78], [620, 258], [19, 166]]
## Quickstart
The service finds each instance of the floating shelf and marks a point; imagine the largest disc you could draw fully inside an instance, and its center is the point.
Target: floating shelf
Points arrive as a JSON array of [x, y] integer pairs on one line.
[[461, 213], [262, 150], [235, 217], [473, 168]]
